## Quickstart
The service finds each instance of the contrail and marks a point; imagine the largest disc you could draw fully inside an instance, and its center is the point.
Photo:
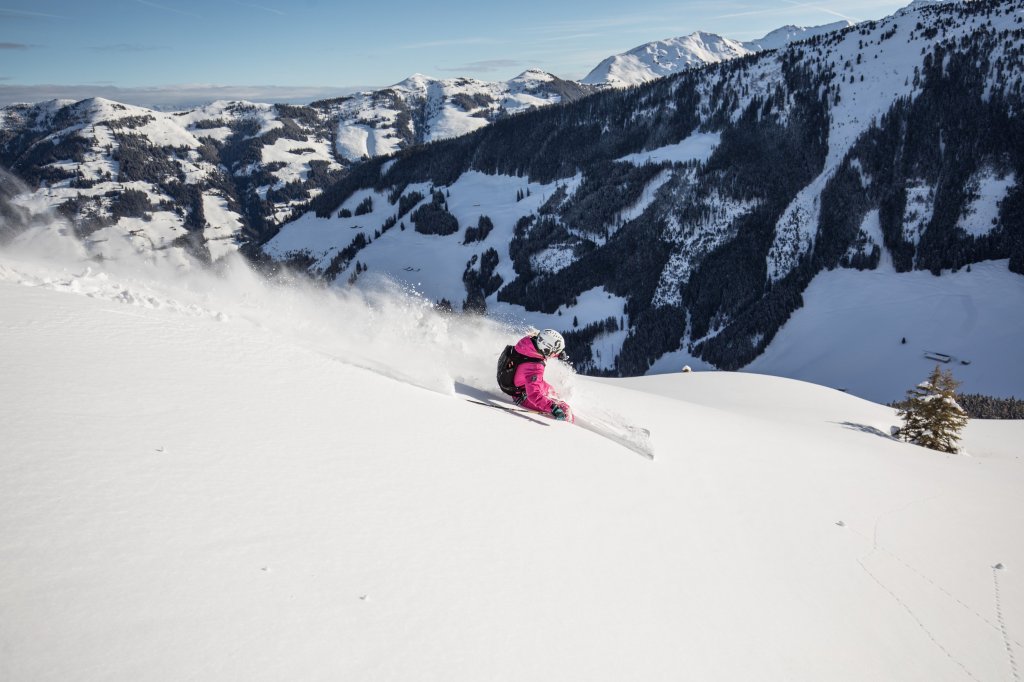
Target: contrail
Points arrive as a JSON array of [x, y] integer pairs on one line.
[[169, 9], [821, 9], [23, 13]]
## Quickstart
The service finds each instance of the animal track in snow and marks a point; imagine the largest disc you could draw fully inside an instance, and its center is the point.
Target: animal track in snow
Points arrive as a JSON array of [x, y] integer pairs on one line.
[[1007, 641]]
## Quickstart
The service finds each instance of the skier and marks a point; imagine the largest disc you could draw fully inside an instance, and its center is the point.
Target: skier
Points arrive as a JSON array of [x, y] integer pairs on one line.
[[521, 373]]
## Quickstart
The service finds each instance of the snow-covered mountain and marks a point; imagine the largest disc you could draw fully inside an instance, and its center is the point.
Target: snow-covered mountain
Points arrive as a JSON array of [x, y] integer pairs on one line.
[[916, 5], [666, 57], [216, 478], [213, 179], [686, 219], [422, 109], [785, 35], [663, 58], [206, 180]]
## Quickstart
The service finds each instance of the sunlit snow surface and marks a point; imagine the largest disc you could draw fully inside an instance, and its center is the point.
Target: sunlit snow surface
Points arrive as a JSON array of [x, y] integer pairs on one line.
[[849, 333], [428, 109], [101, 125], [211, 477], [664, 57], [696, 147]]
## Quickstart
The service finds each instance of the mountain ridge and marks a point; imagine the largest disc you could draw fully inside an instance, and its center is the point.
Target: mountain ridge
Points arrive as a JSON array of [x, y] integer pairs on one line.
[[421, 109], [662, 58], [790, 33]]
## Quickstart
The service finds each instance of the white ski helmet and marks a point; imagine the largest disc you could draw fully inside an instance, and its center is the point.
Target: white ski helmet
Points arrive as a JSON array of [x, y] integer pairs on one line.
[[550, 343]]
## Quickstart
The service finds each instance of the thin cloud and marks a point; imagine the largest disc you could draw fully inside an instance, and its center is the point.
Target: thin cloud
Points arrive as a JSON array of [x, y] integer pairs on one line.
[[168, 9], [753, 13], [17, 13], [784, 10], [592, 25], [572, 36], [826, 10], [452, 41], [14, 46], [127, 47], [654, 18], [485, 65], [261, 7]]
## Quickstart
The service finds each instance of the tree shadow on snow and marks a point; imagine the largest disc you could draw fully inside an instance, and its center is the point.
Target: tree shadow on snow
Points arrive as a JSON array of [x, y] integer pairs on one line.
[[864, 428]]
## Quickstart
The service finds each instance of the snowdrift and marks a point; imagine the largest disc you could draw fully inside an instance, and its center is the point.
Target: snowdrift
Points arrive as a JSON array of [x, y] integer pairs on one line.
[[214, 478]]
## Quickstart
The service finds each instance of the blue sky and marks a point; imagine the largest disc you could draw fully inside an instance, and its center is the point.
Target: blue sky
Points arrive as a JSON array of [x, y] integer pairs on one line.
[[320, 44]]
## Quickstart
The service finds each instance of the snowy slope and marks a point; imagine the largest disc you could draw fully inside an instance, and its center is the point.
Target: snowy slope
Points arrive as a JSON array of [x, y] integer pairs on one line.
[[785, 35], [433, 264], [877, 66], [216, 479], [421, 109], [664, 57], [101, 149], [848, 334]]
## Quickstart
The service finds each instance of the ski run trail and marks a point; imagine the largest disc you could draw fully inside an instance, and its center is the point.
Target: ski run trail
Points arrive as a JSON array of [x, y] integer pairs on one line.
[[209, 476]]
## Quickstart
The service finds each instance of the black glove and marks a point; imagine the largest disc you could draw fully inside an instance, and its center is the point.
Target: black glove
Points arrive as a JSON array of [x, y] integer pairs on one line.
[[558, 413]]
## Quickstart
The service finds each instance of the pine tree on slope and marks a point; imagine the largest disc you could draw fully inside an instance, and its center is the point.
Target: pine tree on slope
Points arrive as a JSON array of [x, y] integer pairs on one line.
[[931, 415]]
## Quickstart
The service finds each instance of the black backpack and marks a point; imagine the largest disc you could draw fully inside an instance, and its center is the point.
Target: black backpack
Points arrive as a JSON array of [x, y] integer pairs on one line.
[[508, 363]]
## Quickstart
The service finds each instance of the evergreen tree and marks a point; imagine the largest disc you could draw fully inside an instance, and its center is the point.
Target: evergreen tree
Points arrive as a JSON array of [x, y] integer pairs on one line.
[[931, 415], [365, 206]]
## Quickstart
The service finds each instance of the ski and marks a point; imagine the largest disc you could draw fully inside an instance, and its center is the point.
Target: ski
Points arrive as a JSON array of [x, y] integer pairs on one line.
[[519, 411], [633, 438]]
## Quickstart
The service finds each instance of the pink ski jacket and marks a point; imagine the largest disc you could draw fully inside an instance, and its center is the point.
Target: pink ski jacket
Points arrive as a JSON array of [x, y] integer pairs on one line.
[[540, 395]]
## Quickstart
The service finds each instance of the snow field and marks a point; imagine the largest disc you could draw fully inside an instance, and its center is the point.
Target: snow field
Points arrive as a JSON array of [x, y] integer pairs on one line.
[[452, 122], [871, 227], [131, 238], [797, 229], [848, 332], [297, 168], [356, 141], [236, 496], [224, 227], [981, 214], [696, 147]]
